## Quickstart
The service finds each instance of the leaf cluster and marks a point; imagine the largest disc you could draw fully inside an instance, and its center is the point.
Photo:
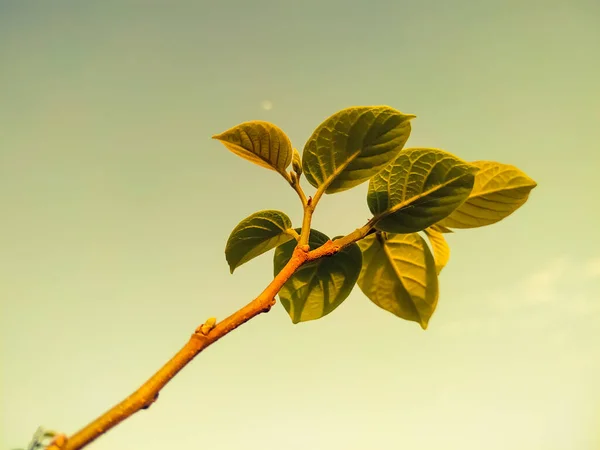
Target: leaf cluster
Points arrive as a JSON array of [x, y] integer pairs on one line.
[[416, 197]]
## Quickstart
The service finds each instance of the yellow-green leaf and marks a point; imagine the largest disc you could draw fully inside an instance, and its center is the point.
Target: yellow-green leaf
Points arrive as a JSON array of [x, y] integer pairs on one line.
[[318, 287], [499, 190], [441, 249], [352, 145], [398, 274], [255, 235], [441, 229], [419, 188], [260, 142]]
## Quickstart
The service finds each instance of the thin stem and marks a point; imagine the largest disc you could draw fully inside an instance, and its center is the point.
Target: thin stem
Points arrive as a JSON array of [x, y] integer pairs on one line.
[[309, 210], [307, 206], [318, 195], [293, 233], [355, 236], [295, 183], [306, 220]]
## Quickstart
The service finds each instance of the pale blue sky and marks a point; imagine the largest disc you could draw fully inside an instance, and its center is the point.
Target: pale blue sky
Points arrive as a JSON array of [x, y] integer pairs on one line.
[[116, 206]]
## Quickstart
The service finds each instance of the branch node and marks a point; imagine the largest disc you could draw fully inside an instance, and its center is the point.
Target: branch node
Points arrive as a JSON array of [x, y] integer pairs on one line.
[[207, 326], [151, 401], [267, 308], [59, 442]]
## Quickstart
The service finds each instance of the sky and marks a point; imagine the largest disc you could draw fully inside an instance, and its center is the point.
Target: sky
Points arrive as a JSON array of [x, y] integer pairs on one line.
[[116, 206]]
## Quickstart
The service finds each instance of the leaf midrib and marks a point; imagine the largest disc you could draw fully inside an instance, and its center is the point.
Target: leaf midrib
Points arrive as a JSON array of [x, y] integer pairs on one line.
[[407, 202], [497, 190], [268, 162], [331, 178], [390, 259]]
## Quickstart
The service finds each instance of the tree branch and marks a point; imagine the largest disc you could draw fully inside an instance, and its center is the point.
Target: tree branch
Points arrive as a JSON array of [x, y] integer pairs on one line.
[[147, 394]]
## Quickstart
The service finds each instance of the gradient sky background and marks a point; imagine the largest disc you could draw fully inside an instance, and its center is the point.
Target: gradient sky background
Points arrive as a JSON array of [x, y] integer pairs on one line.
[[116, 205]]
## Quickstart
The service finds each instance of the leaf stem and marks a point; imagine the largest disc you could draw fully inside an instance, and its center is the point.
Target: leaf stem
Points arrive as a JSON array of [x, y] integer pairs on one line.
[[309, 209], [295, 183], [293, 233], [355, 236], [318, 194], [307, 206]]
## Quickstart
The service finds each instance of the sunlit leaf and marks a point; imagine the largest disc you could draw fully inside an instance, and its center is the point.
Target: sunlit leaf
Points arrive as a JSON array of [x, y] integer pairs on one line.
[[499, 190], [441, 249], [399, 275], [437, 227], [255, 235], [318, 287], [260, 142], [352, 145], [419, 188]]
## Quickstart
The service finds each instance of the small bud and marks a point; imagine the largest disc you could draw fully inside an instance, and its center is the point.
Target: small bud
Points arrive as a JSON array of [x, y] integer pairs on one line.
[[297, 163], [208, 325], [294, 178]]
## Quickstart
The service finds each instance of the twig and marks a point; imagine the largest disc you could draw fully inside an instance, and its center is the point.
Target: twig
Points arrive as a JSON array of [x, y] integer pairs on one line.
[[204, 336]]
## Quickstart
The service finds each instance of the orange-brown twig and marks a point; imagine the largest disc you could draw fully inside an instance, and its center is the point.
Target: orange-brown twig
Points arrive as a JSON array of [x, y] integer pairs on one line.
[[200, 339]]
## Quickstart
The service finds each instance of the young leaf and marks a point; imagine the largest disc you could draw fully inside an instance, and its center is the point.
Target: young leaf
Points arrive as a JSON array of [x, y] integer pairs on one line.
[[398, 275], [499, 190], [352, 145], [260, 142], [318, 287], [419, 188], [441, 249], [255, 235]]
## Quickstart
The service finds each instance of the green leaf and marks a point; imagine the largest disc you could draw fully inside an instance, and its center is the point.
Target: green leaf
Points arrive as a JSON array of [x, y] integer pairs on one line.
[[352, 145], [399, 275], [255, 235], [260, 142], [318, 287], [419, 188], [441, 249], [499, 190]]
